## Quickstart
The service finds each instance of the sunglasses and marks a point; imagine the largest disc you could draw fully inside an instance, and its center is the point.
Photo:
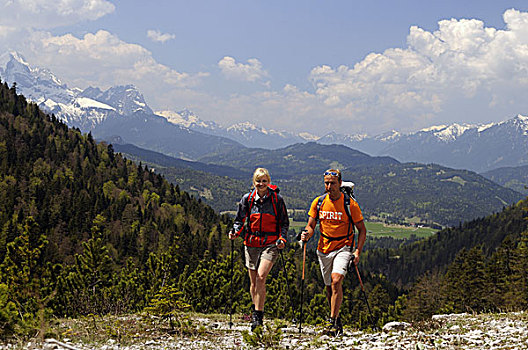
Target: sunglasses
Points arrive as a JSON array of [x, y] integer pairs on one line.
[[333, 173]]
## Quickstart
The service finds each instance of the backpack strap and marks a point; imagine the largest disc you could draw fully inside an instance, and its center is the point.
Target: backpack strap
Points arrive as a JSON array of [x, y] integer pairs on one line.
[[275, 203], [319, 203], [346, 202], [251, 200]]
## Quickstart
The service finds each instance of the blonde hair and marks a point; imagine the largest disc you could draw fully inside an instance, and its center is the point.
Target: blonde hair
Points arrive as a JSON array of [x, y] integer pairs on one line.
[[261, 172]]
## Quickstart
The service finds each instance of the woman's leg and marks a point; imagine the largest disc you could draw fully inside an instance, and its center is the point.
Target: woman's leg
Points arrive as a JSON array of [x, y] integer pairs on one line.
[[252, 285], [260, 283]]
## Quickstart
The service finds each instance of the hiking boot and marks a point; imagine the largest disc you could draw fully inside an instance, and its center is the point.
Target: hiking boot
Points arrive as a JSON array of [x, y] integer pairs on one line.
[[333, 327], [328, 327], [338, 327], [256, 319]]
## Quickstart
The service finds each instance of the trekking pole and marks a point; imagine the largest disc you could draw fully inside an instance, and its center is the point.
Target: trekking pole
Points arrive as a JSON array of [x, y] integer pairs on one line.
[[364, 293], [231, 287], [303, 245], [288, 286]]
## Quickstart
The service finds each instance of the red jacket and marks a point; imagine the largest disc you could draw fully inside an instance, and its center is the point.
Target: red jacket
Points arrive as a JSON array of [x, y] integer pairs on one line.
[[268, 219]]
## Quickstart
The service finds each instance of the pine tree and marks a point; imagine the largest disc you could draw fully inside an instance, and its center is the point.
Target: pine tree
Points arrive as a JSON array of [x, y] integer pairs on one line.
[[22, 269], [467, 282], [426, 297], [9, 317], [517, 293]]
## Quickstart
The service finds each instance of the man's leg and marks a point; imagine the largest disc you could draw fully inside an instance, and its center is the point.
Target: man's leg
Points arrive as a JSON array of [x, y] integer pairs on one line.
[[334, 289], [325, 264], [336, 297], [329, 295], [334, 294]]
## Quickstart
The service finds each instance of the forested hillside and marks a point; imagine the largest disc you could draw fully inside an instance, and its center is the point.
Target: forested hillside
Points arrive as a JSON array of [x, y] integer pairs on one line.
[[405, 264], [486, 277], [515, 178], [398, 193], [429, 193], [84, 230], [297, 160], [71, 186], [139, 154]]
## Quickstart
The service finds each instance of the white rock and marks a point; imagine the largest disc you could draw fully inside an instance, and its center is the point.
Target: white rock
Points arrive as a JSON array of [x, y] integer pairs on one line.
[[448, 317], [396, 326]]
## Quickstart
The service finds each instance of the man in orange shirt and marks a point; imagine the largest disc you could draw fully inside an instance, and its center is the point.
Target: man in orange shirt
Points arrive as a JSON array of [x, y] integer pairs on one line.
[[337, 237]]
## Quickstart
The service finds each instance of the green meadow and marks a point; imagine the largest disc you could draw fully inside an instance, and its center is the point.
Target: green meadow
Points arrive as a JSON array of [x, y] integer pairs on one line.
[[379, 229]]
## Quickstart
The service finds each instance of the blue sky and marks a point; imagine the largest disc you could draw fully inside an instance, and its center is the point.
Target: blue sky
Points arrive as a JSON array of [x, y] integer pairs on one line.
[[304, 66]]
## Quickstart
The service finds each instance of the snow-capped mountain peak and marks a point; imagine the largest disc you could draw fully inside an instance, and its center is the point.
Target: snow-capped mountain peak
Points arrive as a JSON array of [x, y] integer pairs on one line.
[[522, 121], [433, 128], [80, 108], [485, 127], [452, 132], [445, 133], [245, 127], [13, 57], [37, 84], [308, 137], [125, 99], [333, 137], [246, 132], [388, 136], [188, 119]]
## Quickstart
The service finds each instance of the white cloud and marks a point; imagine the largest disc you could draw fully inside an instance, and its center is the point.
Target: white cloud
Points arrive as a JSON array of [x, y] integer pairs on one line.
[[251, 72], [6, 32], [43, 14], [439, 75], [462, 72], [102, 59], [156, 35]]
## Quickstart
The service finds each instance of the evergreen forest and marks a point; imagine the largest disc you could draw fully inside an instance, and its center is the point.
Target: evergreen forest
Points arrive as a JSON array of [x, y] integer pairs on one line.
[[85, 231]]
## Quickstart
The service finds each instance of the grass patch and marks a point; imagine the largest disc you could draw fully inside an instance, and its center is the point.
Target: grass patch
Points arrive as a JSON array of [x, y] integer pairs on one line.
[[268, 339], [378, 229]]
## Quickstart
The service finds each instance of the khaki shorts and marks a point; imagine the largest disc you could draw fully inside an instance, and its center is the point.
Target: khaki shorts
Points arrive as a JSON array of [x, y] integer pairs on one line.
[[334, 262], [255, 254]]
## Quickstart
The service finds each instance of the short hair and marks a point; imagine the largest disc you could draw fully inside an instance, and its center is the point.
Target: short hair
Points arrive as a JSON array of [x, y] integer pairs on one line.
[[329, 171], [261, 172]]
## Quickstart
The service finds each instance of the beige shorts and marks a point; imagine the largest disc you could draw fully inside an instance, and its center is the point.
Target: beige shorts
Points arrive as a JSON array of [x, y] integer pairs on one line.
[[255, 254], [334, 262]]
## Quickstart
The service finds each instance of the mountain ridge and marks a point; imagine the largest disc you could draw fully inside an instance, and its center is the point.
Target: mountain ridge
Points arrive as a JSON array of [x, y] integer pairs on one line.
[[386, 189], [474, 147]]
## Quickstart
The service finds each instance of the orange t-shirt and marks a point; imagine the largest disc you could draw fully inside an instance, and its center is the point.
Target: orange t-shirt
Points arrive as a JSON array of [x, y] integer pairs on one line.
[[333, 222]]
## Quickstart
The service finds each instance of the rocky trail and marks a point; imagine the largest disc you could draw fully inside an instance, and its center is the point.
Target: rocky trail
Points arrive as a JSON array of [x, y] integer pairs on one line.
[[457, 331]]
